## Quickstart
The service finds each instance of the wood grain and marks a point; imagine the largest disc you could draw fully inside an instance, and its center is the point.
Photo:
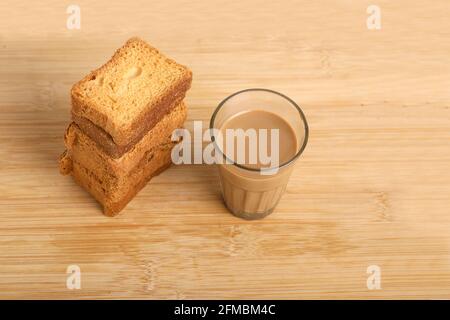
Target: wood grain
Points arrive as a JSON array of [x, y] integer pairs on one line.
[[371, 189]]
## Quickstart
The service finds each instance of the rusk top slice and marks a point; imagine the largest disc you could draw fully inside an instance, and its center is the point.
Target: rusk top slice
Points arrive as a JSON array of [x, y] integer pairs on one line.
[[135, 86]]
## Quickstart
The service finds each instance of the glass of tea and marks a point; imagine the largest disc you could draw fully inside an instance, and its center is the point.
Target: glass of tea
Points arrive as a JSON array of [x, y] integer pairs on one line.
[[258, 134]]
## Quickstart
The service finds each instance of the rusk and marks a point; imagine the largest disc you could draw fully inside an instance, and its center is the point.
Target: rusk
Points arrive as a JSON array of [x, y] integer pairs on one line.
[[114, 193], [86, 151], [128, 95]]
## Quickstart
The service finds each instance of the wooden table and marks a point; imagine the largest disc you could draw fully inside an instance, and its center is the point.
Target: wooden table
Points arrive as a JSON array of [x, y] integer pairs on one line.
[[373, 187]]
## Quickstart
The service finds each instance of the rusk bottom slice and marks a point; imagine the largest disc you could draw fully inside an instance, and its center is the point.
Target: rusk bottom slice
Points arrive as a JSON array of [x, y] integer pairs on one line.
[[116, 194]]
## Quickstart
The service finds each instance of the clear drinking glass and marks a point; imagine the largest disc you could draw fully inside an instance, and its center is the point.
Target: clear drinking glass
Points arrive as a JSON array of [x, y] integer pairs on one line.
[[247, 193]]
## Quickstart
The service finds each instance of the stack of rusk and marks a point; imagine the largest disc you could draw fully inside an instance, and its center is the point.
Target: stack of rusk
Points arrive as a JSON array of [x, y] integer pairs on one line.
[[123, 116]]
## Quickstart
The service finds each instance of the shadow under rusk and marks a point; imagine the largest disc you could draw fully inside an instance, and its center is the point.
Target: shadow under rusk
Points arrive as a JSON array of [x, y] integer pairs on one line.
[[36, 108], [37, 75], [34, 112]]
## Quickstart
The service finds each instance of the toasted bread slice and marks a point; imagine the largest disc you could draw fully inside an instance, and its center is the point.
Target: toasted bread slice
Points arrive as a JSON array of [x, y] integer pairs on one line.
[[114, 193], [128, 95], [92, 156], [104, 139]]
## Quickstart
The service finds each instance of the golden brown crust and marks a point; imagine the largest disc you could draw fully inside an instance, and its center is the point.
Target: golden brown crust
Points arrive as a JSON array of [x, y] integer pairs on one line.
[[139, 128], [128, 129], [91, 155], [65, 163], [113, 209], [115, 199]]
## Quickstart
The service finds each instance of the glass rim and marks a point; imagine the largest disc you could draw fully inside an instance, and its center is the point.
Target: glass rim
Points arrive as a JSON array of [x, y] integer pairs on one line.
[[292, 102]]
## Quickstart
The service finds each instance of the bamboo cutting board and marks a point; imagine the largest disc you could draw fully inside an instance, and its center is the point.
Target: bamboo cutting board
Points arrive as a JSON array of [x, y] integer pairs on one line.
[[372, 188]]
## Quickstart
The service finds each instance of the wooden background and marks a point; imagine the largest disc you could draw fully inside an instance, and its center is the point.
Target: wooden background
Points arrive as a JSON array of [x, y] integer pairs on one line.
[[373, 187]]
